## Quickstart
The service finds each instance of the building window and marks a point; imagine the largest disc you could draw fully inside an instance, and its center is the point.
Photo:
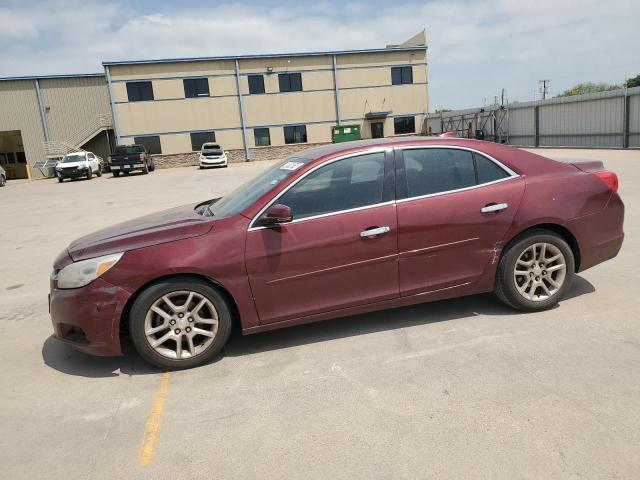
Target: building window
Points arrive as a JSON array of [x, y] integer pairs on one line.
[[290, 82], [196, 87], [404, 125], [295, 134], [139, 91], [151, 143], [198, 138], [256, 84], [401, 75], [262, 137]]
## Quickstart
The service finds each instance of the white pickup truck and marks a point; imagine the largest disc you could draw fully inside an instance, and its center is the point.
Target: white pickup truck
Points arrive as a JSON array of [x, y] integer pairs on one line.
[[79, 165]]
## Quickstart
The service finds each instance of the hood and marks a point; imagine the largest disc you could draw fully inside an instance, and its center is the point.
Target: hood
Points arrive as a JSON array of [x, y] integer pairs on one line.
[[162, 227], [72, 164]]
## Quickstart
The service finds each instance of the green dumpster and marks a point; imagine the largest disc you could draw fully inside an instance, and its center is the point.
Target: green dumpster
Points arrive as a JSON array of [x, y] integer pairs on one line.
[[345, 133]]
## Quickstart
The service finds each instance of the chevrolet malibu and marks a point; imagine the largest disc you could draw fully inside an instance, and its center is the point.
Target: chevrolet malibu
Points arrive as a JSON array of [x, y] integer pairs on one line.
[[334, 231]]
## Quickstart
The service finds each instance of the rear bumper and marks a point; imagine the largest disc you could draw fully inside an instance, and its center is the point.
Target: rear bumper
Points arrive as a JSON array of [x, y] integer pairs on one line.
[[126, 167], [88, 318], [601, 234]]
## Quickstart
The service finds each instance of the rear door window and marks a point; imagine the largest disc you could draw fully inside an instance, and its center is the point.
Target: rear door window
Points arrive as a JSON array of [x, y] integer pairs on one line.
[[436, 170]]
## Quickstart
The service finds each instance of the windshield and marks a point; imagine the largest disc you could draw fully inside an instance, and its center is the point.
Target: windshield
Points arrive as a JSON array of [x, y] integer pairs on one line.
[[128, 149], [73, 158], [246, 194]]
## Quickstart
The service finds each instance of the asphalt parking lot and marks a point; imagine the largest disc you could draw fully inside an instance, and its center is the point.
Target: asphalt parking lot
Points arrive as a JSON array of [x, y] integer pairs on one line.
[[462, 388]]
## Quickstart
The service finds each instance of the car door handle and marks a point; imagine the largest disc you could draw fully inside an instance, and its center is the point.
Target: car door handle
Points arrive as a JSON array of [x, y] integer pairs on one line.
[[374, 232], [494, 207]]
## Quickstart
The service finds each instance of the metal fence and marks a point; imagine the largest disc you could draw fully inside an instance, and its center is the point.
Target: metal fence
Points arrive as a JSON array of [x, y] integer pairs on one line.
[[603, 120]]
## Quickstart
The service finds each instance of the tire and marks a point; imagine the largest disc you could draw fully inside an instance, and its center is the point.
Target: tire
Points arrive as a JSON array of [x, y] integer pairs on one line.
[[530, 288], [165, 355], [145, 169], [152, 167], [89, 173], [115, 173], [99, 171], [3, 181], [60, 179]]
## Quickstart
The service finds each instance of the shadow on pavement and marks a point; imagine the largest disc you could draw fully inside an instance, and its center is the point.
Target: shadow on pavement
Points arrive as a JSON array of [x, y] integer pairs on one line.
[[63, 358]]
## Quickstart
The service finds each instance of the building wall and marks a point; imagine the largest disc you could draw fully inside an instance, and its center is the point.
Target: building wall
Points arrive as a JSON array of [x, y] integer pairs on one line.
[[73, 104], [363, 81], [20, 111]]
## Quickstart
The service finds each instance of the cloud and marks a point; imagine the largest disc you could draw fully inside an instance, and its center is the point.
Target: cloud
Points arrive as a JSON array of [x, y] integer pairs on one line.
[[475, 48]]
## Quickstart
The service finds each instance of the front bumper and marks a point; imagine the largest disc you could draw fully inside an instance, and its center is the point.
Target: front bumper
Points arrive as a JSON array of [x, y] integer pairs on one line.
[[212, 162], [88, 318], [72, 173]]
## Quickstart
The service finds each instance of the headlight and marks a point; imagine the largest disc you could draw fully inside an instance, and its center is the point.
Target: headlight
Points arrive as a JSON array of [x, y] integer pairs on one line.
[[82, 167], [79, 274]]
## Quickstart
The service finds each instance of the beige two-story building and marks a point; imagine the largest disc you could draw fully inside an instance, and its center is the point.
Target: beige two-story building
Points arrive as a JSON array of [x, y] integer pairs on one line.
[[253, 102]]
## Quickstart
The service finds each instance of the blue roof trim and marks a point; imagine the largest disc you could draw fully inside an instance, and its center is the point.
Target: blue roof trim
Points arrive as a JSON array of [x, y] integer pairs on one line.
[[266, 55], [46, 77]]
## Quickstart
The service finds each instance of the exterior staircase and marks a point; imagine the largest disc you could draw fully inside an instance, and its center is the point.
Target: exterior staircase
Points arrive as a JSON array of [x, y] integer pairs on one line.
[[59, 148]]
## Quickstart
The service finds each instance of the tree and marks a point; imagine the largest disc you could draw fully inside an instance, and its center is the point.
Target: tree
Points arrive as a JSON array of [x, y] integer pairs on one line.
[[633, 82], [588, 87]]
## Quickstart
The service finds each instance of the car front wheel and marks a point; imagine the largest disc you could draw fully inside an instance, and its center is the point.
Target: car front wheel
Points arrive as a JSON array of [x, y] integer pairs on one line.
[[535, 271], [178, 324]]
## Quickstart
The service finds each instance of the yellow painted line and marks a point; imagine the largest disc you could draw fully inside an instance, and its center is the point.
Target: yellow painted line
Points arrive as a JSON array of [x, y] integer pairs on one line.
[[152, 428]]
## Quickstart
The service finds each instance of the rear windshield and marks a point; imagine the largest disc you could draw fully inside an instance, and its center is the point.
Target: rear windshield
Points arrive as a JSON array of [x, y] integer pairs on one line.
[[210, 146], [128, 149]]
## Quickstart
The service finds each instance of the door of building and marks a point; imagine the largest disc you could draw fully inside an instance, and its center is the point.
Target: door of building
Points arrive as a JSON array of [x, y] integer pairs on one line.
[[377, 130]]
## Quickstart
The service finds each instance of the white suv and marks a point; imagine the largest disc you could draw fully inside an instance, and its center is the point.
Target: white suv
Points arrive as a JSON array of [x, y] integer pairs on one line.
[[212, 155], [79, 165]]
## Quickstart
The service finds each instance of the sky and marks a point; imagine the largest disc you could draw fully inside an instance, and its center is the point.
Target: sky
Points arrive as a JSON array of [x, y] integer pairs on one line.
[[476, 48]]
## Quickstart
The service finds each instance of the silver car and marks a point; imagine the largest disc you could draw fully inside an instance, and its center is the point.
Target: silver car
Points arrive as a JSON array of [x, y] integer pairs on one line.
[[3, 177]]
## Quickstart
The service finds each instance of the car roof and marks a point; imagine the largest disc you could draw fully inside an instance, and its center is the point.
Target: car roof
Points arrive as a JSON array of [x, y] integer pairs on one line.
[[325, 150], [517, 159]]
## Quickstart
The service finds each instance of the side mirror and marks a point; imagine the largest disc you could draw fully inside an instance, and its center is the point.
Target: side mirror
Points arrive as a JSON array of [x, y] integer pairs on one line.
[[275, 215]]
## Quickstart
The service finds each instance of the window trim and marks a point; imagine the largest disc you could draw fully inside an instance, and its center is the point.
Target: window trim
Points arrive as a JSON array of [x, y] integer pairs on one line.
[[139, 82], [289, 74], [261, 75], [255, 138], [388, 151], [197, 95], [401, 189]]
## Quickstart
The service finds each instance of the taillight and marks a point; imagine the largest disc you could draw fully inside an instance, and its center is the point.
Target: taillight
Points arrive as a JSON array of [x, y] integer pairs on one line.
[[610, 179], [142, 156]]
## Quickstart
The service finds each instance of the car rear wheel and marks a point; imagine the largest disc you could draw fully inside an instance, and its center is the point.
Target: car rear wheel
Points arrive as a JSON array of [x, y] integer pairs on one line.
[[3, 181], [535, 271], [178, 324], [116, 173], [60, 179]]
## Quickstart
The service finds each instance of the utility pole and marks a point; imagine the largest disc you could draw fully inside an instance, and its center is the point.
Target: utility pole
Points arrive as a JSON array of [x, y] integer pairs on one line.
[[502, 98], [544, 89]]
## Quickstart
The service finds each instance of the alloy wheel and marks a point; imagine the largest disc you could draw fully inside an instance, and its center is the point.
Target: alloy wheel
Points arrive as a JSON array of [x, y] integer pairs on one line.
[[181, 324], [540, 271]]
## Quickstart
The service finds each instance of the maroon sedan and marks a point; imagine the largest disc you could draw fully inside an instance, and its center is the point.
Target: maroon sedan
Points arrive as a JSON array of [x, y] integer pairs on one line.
[[333, 231]]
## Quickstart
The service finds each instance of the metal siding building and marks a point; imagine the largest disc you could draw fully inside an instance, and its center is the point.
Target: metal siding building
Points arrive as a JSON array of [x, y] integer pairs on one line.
[[50, 116], [598, 120], [337, 87]]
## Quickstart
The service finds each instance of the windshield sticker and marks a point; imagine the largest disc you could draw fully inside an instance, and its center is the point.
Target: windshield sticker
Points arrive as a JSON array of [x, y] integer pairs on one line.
[[291, 166]]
